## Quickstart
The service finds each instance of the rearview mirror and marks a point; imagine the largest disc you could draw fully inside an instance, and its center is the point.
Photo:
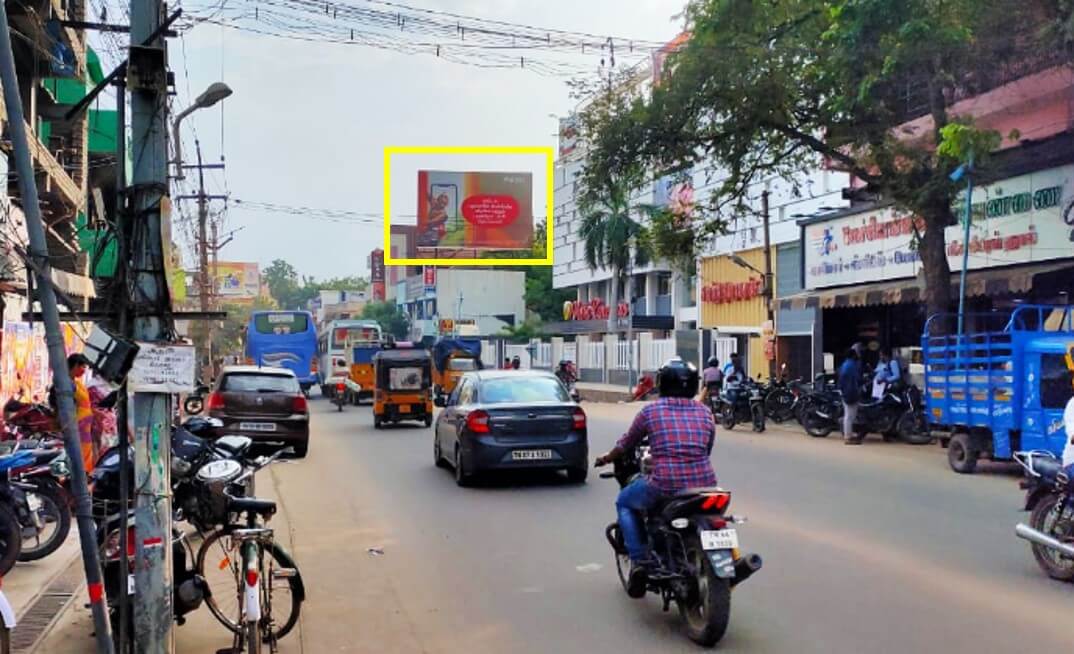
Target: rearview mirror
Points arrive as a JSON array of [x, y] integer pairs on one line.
[[440, 401]]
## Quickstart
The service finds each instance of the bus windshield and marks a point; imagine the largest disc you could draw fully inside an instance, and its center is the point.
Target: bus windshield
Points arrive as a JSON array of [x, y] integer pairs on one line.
[[355, 334], [283, 322]]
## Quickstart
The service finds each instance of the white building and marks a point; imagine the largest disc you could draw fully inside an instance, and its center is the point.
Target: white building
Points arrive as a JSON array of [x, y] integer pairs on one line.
[[331, 305], [486, 299]]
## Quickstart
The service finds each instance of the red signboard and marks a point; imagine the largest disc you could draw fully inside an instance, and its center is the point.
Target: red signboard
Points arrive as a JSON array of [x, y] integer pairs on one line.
[[724, 292], [376, 265], [593, 310], [430, 277]]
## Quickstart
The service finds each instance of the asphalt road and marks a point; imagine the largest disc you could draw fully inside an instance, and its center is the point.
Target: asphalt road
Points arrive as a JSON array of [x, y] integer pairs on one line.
[[878, 548]]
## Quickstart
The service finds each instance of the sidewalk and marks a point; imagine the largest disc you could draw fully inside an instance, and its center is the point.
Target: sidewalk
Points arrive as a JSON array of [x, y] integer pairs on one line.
[[202, 634], [594, 392], [39, 590]]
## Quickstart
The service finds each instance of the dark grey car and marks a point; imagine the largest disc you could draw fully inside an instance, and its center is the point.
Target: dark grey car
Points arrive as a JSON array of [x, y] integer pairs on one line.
[[510, 419], [266, 404]]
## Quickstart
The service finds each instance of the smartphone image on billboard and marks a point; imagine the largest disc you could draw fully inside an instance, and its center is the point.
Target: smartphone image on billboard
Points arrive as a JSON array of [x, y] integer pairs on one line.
[[451, 191]]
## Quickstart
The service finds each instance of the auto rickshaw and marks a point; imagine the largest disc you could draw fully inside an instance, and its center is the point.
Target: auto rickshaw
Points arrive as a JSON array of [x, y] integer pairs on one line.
[[359, 381], [403, 386], [451, 358]]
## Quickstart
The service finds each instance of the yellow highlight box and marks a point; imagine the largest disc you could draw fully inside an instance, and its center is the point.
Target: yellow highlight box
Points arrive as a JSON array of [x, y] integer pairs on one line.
[[549, 155]]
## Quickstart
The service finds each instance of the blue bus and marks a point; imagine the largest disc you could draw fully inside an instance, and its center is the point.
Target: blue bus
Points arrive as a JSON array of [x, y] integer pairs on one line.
[[284, 339]]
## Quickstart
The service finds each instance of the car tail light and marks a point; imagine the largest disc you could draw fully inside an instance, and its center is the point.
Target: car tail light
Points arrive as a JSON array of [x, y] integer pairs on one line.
[[478, 422], [716, 501], [298, 404], [579, 418], [215, 401], [251, 577], [314, 366]]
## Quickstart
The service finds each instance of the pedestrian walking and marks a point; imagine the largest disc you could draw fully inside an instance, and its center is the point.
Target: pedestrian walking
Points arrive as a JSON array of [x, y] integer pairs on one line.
[[849, 382]]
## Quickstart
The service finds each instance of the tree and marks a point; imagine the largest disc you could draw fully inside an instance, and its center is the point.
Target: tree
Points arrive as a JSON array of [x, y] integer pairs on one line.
[[391, 319], [229, 338], [282, 281], [767, 88], [611, 237], [523, 332]]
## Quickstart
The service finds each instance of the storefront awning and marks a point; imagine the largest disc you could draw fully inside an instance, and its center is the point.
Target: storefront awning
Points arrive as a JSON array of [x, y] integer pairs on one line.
[[991, 282]]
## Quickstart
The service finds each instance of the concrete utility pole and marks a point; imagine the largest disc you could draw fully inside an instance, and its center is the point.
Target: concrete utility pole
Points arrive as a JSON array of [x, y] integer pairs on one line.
[[770, 291], [38, 260], [203, 261], [150, 412]]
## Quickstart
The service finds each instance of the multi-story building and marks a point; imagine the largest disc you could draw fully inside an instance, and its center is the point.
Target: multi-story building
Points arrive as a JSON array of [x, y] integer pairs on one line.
[[340, 304]]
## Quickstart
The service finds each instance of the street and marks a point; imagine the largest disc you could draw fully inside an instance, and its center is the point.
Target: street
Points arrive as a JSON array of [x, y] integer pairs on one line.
[[879, 548]]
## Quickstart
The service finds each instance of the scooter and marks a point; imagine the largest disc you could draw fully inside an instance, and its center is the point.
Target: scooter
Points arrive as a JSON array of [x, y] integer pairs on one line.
[[340, 396]]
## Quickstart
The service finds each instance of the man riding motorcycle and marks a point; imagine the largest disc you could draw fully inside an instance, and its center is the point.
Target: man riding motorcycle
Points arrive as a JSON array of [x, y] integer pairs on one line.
[[681, 434]]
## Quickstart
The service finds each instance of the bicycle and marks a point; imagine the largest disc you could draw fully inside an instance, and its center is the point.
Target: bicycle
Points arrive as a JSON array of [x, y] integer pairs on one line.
[[259, 570]]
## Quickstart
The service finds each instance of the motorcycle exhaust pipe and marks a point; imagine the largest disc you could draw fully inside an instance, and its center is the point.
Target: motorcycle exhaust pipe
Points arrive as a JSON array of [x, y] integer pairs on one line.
[[745, 567], [1040, 538]]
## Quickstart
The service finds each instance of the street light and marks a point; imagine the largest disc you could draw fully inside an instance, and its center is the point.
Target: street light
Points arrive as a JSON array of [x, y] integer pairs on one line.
[[216, 92], [739, 261]]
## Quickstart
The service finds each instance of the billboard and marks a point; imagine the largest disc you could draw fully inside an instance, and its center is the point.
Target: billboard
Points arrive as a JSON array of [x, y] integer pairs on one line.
[[474, 211], [376, 274], [569, 130], [237, 279]]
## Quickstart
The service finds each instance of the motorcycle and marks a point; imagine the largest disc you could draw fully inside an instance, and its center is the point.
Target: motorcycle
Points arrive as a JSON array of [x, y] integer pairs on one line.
[[340, 396], [781, 398], [741, 402], [696, 551], [1050, 501], [898, 414], [195, 402], [28, 420]]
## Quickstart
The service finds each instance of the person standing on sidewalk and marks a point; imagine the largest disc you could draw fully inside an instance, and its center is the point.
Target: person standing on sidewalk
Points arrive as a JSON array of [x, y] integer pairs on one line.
[[850, 386]]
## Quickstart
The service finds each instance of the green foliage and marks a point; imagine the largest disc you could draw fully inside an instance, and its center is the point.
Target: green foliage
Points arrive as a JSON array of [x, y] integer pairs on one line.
[[611, 237], [391, 319], [766, 88], [523, 332], [291, 292], [229, 337]]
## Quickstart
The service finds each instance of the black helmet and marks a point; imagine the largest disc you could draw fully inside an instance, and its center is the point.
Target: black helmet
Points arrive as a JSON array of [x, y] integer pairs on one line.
[[712, 362], [677, 378]]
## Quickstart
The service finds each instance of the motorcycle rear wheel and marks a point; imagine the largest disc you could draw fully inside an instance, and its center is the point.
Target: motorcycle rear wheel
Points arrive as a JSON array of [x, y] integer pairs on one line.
[[709, 612], [55, 513], [913, 428], [1044, 518], [10, 539], [622, 559], [757, 417], [727, 416], [816, 426]]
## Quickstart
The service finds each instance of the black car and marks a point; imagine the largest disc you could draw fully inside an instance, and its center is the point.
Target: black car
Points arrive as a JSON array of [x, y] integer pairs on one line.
[[510, 419]]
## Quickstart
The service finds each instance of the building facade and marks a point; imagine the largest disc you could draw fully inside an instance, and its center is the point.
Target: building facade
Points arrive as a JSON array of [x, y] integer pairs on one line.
[[485, 300]]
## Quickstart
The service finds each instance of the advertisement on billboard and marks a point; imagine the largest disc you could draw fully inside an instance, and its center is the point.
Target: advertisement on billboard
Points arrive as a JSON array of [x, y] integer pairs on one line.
[[237, 279], [430, 278], [568, 135], [474, 211], [1016, 220]]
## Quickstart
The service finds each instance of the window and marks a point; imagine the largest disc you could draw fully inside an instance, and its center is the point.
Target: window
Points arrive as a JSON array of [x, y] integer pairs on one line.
[[284, 322], [462, 364], [467, 395], [663, 284], [1055, 381], [454, 398], [523, 389], [252, 382]]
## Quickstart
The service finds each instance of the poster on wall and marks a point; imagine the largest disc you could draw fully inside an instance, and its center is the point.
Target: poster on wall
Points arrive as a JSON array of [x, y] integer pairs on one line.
[[24, 366], [474, 211], [1018, 220]]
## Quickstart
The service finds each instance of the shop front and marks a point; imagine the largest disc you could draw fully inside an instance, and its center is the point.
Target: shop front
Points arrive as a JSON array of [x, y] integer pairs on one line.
[[734, 312], [862, 272]]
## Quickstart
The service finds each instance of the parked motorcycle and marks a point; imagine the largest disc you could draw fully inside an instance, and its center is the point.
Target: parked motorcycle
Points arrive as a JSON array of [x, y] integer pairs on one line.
[[28, 420], [781, 398], [741, 402], [696, 550], [1050, 501], [195, 402], [897, 415]]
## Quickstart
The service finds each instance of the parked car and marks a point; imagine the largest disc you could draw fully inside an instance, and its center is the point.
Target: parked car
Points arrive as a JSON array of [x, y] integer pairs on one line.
[[506, 420], [266, 404]]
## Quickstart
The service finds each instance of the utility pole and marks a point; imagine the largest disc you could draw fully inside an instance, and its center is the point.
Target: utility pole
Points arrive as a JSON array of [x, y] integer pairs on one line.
[[770, 292], [203, 256], [150, 412], [38, 260]]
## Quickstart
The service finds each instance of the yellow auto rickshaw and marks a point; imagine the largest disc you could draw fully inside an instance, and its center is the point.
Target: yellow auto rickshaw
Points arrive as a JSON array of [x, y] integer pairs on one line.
[[359, 381], [403, 386], [451, 358]]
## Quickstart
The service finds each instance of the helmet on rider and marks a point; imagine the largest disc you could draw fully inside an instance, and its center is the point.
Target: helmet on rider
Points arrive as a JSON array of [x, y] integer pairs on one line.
[[712, 362], [677, 378]]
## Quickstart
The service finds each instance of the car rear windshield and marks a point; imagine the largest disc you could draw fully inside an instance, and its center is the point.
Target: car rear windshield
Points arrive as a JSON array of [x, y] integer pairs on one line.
[[522, 389], [281, 323], [252, 382]]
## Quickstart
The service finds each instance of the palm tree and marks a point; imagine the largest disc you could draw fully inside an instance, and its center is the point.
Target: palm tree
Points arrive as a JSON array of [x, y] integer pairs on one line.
[[613, 240]]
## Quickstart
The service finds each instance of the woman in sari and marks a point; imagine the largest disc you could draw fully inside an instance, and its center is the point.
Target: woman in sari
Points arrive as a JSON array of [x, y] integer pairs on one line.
[[76, 365]]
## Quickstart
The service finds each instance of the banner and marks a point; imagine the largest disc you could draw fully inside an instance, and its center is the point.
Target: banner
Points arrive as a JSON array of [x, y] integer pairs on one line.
[[24, 369], [474, 211], [568, 135], [429, 274], [376, 274], [237, 279]]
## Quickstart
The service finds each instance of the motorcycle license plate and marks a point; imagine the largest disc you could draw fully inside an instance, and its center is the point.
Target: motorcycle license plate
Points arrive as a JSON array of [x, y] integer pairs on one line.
[[33, 502], [257, 426], [722, 539], [404, 408], [130, 584], [531, 455]]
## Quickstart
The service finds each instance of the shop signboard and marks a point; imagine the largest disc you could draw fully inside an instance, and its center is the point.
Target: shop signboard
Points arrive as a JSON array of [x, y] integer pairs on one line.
[[429, 275], [593, 310], [1023, 219]]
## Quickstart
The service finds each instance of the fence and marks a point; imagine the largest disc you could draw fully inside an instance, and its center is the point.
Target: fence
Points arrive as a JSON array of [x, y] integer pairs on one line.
[[660, 351], [623, 353], [593, 356], [519, 351], [570, 352], [542, 356]]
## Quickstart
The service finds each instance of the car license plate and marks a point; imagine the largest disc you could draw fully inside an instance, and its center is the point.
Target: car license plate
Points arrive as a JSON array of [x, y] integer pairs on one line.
[[257, 426], [404, 408], [531, 455], [723, 539]]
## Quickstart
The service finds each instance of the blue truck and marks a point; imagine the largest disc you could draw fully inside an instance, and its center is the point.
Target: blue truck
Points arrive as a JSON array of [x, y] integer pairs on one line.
[[992, 393]]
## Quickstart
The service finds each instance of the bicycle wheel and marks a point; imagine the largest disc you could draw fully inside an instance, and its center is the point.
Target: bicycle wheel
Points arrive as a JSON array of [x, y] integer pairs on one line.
[[220, 564]]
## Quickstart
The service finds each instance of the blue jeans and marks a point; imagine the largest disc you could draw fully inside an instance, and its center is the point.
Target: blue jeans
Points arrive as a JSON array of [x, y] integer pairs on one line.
[[633, 500]]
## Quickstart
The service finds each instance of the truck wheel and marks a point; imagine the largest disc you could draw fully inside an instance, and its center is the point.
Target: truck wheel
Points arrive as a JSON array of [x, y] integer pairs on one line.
[[962, 454]]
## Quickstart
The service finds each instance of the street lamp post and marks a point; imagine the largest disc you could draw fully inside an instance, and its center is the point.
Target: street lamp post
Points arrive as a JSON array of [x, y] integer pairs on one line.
[[216, 92]]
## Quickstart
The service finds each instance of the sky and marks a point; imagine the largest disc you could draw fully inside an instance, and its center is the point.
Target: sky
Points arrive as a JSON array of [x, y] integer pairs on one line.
[[308, 122]]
